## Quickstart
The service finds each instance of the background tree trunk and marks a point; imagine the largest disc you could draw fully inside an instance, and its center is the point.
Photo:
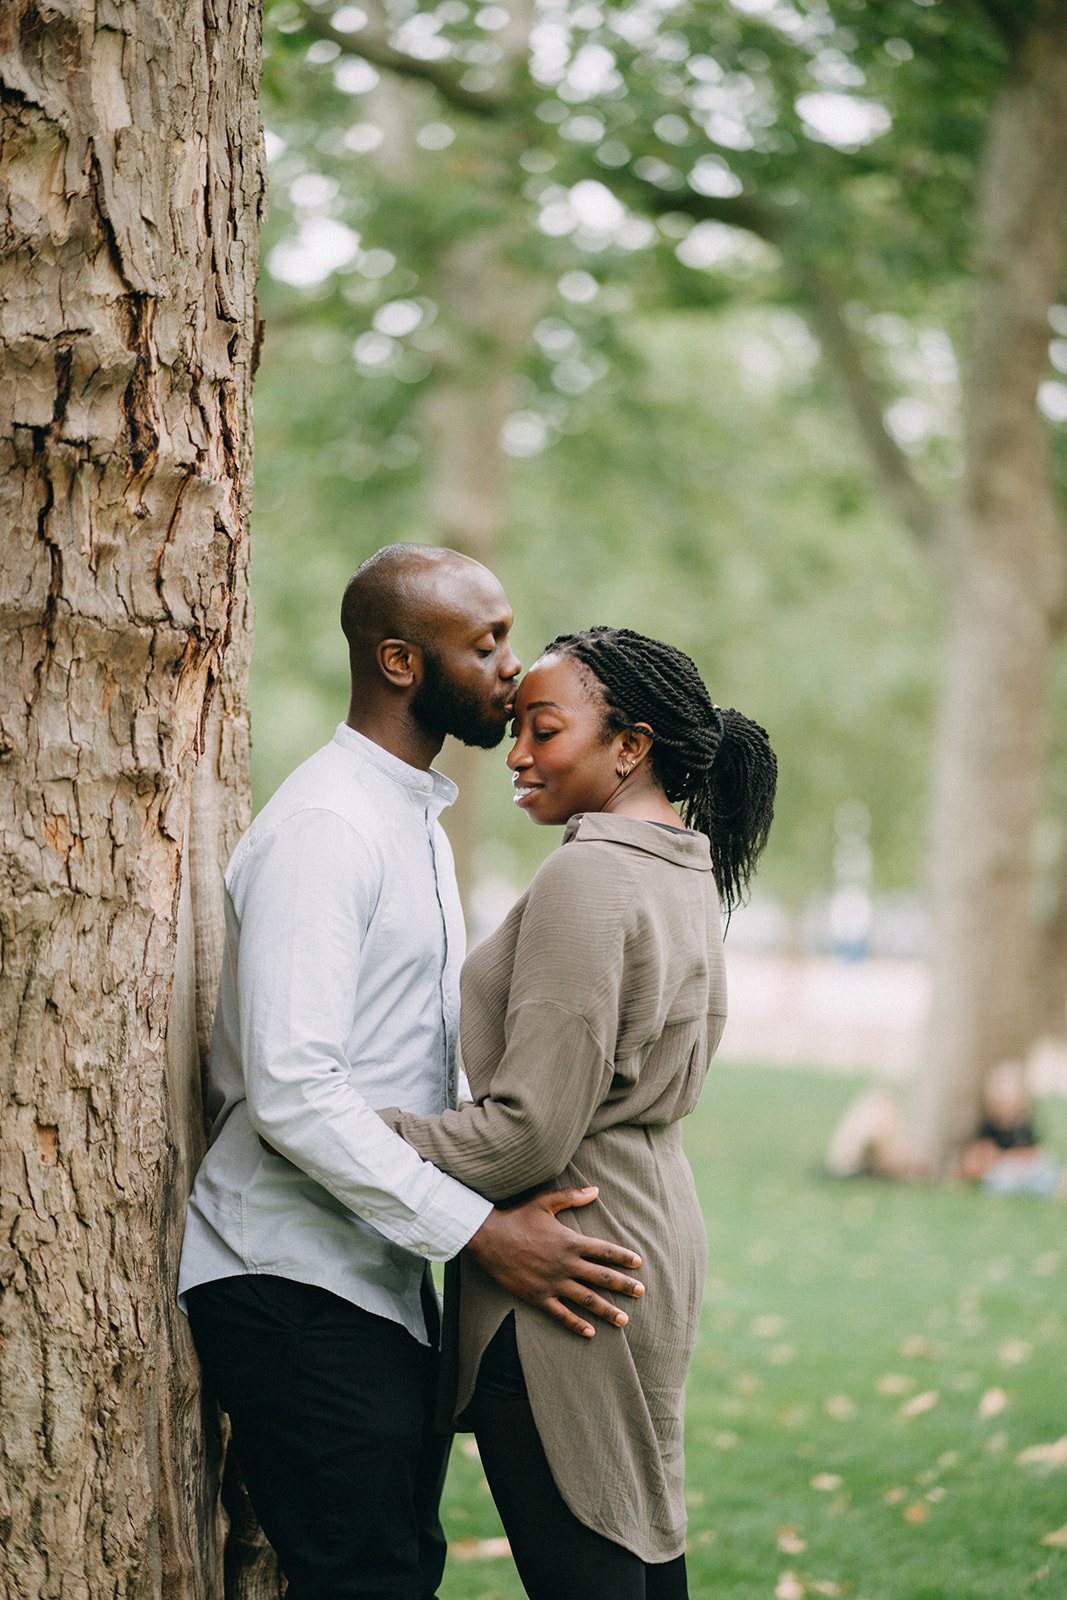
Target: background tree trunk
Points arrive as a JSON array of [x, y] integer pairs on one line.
[[131, 153], [491, 309], [1003, 557]]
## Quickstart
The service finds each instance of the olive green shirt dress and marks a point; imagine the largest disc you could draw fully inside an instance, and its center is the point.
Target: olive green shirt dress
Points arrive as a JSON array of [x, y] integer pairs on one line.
[[587, 1023]]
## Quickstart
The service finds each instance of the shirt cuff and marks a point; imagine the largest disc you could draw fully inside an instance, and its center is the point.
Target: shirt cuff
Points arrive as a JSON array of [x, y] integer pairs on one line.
[[448, 1218]]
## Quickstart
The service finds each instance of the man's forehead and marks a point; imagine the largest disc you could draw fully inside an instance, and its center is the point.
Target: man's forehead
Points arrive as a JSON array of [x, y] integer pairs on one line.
[[466, 594]]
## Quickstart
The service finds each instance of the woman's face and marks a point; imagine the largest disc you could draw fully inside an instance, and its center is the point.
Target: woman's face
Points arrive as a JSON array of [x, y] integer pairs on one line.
[[560, 760]]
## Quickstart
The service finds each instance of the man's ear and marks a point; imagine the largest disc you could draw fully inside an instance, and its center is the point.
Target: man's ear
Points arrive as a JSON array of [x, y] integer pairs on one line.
[[400, 663]]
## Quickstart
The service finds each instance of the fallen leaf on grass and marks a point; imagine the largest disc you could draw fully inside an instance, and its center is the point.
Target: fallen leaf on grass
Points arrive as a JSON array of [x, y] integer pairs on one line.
[[790, 1543], [725, 1440], [1014, 1351], [1044, 1455], [894, 1496], [894, 1383], [920, 1403], [469, 1448], [826, 1482], [996, 1443], [916, 1513], [992, 1403], [949, 1459], [767, 1327], [936, 1494], [916, 1345], [789, 1587], [839, 1406], [794, 1416], [479, 1549], [1057, 1539]]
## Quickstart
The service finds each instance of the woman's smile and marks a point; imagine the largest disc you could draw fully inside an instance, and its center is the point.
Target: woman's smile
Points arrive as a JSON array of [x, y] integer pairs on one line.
[[526, 789]]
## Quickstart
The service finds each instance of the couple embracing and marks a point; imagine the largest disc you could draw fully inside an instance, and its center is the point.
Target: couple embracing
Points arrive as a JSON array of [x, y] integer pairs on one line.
[[347, 1150]]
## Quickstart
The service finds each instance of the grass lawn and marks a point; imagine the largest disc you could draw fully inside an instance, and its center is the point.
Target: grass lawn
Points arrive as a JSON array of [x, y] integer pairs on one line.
[[874, 1361]]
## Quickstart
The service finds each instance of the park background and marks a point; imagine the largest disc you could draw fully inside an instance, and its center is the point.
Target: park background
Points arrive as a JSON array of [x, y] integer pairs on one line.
[[742, 322], [665, 312]]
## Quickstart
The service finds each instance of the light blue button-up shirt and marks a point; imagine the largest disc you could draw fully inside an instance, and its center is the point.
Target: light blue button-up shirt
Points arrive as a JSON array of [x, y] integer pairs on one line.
[[339, 994]]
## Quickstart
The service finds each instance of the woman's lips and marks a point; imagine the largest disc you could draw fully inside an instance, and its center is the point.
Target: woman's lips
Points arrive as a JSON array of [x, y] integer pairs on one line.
[[525, 792]]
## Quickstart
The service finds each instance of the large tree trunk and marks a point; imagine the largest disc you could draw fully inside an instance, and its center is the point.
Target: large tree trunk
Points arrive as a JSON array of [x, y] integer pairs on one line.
[[131, 156], [1004, 566]]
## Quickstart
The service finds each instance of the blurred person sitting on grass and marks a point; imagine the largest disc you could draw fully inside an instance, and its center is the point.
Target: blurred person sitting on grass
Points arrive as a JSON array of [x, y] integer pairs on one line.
[[1005, 1156]]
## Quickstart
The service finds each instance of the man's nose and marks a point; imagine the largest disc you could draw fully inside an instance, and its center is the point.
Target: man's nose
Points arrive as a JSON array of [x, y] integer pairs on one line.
[[511, 665]]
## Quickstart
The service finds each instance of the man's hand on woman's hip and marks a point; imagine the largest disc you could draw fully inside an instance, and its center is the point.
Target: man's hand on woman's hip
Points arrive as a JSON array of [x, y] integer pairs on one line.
[[538, 1259]]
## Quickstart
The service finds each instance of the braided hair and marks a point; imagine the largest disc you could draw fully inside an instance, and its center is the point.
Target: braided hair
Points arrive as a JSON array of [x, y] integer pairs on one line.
[[716, 762]]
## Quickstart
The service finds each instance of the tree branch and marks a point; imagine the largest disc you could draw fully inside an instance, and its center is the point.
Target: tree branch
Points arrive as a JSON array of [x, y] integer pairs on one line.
[[374, 46], [736, 211], [918, 509], [842, 349]]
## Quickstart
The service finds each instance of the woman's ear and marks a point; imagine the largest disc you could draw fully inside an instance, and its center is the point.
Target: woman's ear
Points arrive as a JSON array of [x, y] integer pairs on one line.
[[400, 662], [634, 744]]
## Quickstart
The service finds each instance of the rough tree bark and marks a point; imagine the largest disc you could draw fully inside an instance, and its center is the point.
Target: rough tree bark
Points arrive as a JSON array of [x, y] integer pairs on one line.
[[131, 157]]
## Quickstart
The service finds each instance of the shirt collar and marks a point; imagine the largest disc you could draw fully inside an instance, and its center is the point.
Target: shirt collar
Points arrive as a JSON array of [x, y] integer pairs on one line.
[[437, 790], [687, 849]]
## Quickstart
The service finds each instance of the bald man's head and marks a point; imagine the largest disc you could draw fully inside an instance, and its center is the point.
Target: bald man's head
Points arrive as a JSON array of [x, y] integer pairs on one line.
[[430, 627], [395, 594]]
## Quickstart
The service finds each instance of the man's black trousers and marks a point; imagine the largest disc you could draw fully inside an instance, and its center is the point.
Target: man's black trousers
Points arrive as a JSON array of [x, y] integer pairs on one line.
[[331, 1410]]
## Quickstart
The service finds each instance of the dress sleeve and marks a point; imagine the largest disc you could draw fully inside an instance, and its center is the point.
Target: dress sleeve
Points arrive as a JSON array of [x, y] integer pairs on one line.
[[560, 1034]]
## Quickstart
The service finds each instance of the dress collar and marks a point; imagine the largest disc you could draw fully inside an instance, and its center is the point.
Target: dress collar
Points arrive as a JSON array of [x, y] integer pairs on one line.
[[685, 849]]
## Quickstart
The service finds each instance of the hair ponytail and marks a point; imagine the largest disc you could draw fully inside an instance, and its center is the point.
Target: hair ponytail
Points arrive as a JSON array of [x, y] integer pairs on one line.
[[732, 801], [717, 764]]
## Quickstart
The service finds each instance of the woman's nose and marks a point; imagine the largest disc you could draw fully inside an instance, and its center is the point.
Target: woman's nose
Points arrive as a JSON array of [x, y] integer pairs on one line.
[[517, 756]]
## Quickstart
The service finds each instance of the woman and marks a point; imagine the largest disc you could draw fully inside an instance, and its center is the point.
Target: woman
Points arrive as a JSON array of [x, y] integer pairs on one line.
[[587, 1022]]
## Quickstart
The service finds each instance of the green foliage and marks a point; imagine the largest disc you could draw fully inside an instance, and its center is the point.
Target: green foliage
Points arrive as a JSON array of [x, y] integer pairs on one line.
[[832, 1311], [713, 497], [686, 468]]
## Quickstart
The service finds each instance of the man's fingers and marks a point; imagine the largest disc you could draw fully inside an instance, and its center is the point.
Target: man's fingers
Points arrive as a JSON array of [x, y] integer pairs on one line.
[[610, 1255], [570, 1320], [567, 1199], [614, 1282], [590, 1302]]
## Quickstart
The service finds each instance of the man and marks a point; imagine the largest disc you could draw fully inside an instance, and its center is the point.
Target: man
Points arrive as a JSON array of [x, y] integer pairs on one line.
[[310, 1226]]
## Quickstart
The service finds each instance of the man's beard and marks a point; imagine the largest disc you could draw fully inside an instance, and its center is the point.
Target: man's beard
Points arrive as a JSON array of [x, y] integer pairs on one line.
[[441, 707]]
